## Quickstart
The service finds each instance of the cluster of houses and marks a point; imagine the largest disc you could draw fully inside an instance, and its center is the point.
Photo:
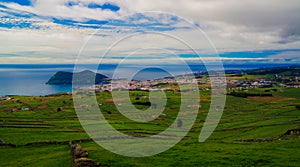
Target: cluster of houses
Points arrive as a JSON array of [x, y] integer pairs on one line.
[[152, 85], [251, 84], [289, 81], [149, 85], [5, 98]]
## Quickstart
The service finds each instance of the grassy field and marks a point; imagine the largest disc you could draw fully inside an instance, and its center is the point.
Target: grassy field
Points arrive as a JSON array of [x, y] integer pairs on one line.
[[53, 119]]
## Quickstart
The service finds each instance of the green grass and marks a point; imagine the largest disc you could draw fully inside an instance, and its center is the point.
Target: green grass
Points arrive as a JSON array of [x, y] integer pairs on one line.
[[290, 92], [243, 118], [47, 156], [211, 153]]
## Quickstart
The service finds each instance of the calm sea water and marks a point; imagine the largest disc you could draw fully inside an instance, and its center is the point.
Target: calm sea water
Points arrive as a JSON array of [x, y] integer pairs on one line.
[[30, 79]]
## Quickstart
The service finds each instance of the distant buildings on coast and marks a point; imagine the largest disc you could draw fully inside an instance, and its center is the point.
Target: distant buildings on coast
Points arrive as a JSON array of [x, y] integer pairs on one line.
[[5, 98], [205, 82]]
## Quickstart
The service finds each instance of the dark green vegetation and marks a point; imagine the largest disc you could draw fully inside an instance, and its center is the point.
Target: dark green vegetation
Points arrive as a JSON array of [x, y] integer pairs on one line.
[[84, 77], [265, 119], [245, 94], [282, 71]]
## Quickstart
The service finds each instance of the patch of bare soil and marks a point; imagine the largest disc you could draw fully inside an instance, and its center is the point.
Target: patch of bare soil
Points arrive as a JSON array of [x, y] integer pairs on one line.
[[270, 99], [43, 106]]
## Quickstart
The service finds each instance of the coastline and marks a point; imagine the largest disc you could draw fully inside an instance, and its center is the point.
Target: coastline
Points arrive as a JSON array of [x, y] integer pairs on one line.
[[33, 82]]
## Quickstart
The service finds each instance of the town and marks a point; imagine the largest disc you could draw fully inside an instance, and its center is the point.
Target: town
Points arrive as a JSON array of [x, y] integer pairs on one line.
[[233, 80]]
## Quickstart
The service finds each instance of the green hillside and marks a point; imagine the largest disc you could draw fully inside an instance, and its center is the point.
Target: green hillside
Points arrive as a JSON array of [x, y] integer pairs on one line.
[[253, 131], [84, 77]]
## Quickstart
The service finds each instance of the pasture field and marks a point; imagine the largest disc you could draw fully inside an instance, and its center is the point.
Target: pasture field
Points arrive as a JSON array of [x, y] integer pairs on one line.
[[253, 131]]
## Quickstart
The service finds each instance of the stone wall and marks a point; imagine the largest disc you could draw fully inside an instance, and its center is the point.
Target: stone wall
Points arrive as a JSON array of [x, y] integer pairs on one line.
[[80, 157]]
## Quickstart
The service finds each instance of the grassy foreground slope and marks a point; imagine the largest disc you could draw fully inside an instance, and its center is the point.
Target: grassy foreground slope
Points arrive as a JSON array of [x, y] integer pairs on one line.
[[264, 119]]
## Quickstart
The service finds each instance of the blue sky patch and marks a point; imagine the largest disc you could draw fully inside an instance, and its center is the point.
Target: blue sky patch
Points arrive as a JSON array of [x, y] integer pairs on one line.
[[71, 3], [105, 6], [20, 25], [21, 2], [244, 54], [2, 6], [83, 24], [255, 54]]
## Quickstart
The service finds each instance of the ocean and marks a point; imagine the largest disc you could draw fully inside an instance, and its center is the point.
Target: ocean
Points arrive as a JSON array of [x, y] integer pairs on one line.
[[30, 79]]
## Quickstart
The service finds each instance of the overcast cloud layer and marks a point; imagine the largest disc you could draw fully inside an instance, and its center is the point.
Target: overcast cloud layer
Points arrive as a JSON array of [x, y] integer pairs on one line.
[[53, 31]]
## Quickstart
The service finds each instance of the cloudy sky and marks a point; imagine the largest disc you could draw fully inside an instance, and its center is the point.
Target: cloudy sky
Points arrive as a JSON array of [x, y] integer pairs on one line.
[[56, 31]]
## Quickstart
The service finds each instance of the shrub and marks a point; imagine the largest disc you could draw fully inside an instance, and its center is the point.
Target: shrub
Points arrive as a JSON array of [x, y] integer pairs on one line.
[[58, 109], [238, 94]]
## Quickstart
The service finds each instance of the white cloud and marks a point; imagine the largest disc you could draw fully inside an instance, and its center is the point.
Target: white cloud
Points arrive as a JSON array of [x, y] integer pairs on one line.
[[231, 25]]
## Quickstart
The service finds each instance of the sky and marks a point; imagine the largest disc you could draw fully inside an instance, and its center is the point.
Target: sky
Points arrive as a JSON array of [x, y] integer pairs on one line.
[[66, 31]]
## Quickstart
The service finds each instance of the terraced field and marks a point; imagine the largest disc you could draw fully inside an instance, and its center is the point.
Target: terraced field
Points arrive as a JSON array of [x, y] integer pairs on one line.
[[253, 131]]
